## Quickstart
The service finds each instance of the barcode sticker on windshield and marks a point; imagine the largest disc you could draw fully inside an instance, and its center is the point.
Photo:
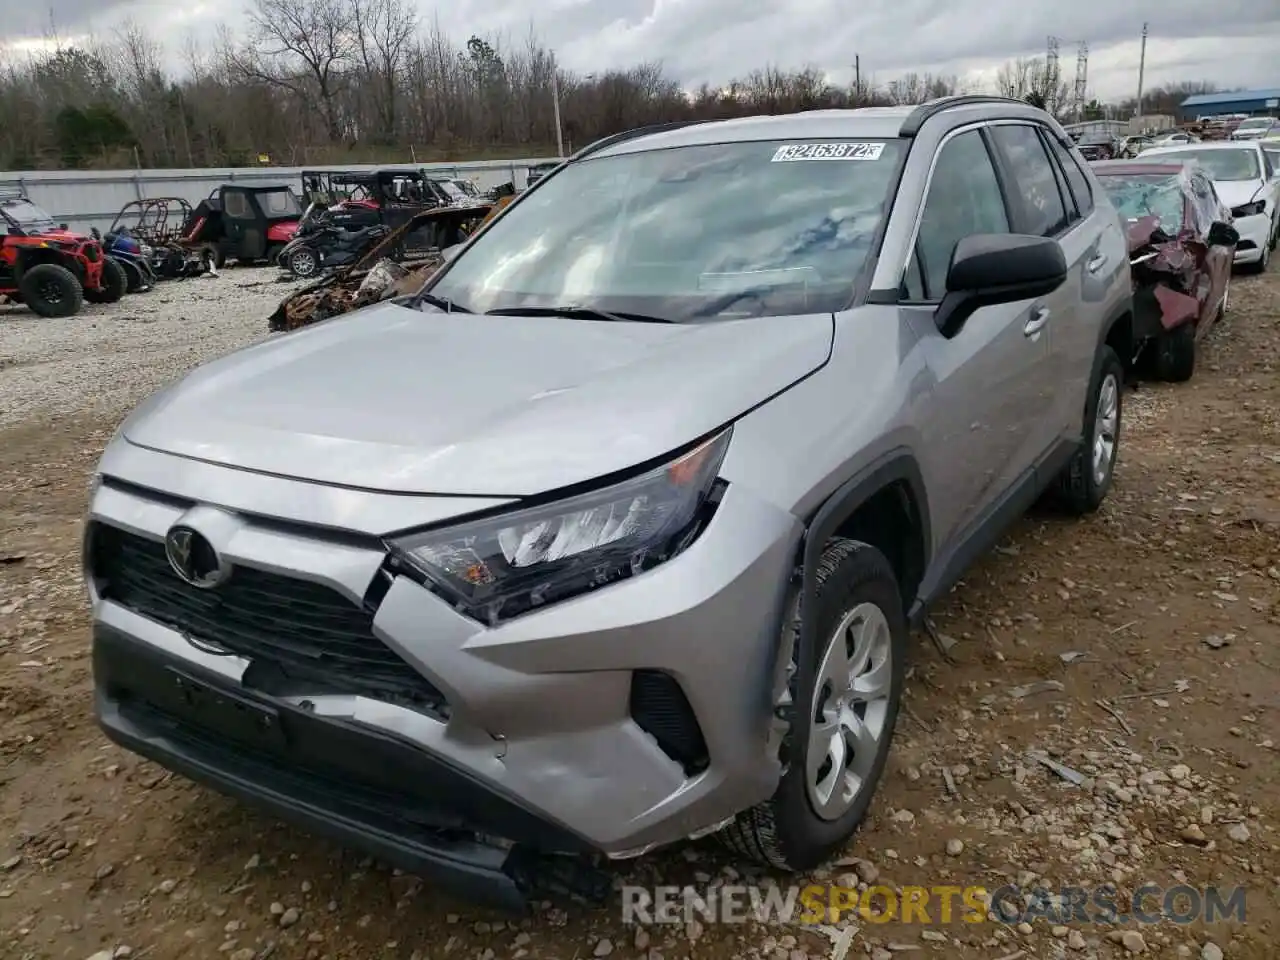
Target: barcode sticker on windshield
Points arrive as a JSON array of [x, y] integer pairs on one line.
[[828, 151]]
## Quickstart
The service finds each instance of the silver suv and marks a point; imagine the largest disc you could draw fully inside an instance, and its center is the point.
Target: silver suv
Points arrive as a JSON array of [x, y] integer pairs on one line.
[[613, 535]]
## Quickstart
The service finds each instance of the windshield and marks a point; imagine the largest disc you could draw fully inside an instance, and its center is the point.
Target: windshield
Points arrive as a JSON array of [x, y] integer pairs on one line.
[[279, 203], [1143, 195], [1260, 123], [767, 228], [1225, 165], [26, 213]]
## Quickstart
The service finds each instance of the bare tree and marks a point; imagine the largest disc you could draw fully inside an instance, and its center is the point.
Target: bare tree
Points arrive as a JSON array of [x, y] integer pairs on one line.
[[913, 88], [305, 47], [345, 81], [384, 31]]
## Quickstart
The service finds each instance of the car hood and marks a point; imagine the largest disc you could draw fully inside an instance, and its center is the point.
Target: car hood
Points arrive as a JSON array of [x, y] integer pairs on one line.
[[395, 399], [1235, 192]]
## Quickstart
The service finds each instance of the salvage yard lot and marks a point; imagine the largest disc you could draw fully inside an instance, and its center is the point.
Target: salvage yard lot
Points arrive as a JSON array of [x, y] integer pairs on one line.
[[1165, 606]]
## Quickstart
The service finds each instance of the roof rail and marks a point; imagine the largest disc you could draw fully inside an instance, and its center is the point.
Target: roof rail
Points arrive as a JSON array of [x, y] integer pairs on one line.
[[927, 111], [616, 138], [9, 194]]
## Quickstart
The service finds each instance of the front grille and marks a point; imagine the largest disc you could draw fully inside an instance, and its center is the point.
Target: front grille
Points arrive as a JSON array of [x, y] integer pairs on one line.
[[660, 708], [299, 636]]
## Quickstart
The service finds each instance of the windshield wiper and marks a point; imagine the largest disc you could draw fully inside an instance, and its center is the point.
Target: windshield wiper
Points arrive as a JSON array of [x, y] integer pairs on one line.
[[577, 313], [444, 303]]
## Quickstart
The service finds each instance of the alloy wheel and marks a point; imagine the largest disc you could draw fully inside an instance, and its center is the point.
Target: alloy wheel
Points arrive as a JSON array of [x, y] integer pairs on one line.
[[1105, 428], [303, 263], [850, 710]]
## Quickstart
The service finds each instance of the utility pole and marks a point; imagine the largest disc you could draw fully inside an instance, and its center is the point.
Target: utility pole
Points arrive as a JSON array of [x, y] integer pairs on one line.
[[1142, 66], [857, 80], [555, 99]]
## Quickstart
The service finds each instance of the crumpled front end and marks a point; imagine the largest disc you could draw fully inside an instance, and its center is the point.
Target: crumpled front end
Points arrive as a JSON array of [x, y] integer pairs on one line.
[[1170, 277]]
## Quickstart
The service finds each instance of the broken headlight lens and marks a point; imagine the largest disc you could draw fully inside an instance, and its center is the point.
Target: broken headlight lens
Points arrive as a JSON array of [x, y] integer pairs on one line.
[[501, 567]]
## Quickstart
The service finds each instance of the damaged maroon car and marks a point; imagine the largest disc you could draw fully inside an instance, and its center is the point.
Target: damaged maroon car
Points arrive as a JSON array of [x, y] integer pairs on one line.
[[1181, 247]]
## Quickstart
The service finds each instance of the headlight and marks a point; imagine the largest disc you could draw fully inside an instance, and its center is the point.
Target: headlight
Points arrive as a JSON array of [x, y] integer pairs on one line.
[[498, 568], [1249, 209]]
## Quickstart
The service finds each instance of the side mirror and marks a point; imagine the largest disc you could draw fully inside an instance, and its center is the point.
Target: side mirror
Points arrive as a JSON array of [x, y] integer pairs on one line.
[[990, 269], [1223, 234], [62, 226]]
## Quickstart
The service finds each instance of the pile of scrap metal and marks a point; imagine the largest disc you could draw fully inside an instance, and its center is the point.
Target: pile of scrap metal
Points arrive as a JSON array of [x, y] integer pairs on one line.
[[394, 267], [349, 290], [375, 276]]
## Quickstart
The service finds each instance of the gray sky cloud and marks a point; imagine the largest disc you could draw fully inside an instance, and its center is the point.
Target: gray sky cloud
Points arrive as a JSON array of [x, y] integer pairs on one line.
[[1232, 42]]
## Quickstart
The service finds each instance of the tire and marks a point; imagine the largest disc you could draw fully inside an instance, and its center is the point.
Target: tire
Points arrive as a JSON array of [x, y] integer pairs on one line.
[[133, 276], [211, 254], [791, 831], [1176, 354], [51, 291], [1081, 487], [115, 283], [303, 263], [273, 253]]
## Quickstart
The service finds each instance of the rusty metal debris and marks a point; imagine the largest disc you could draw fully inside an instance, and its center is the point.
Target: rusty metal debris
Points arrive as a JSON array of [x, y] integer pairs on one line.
[[384, 272]]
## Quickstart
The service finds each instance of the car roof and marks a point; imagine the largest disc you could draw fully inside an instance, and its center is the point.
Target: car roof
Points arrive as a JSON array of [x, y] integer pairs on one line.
[[1211, 145], [1107, 167], [880, 123]]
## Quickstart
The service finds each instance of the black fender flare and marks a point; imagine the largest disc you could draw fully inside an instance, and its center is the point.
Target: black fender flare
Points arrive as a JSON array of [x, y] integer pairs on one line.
[[897, 465], [1124, 313]]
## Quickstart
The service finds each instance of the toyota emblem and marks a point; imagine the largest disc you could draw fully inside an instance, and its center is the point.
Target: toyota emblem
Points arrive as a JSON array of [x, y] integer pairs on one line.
[[194, 559]]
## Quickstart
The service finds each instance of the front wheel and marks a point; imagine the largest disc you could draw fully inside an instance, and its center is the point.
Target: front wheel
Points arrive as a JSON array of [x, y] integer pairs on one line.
[[833, 763], [303, 262], [133, 274], [1084, 482], [1176, 354], [51, 290]]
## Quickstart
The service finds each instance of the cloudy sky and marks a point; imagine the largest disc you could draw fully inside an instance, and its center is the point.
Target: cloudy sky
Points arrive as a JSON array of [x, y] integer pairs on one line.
[[1231, 42]]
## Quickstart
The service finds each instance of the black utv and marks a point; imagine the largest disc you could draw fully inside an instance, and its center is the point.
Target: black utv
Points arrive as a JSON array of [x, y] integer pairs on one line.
[[245, 224]]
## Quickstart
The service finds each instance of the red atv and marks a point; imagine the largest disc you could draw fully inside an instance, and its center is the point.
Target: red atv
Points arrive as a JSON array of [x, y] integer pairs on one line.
[[49, 268]]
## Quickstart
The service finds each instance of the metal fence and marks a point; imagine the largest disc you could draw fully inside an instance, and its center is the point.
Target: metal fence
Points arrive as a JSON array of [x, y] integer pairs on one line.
[[92, 198]]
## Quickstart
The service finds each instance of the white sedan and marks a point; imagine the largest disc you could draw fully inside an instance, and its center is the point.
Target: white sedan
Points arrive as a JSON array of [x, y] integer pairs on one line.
[[1248, 182]]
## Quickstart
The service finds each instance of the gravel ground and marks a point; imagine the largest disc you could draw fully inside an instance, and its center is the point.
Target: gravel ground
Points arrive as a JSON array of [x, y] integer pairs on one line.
[[111, 355], [1139, 648]]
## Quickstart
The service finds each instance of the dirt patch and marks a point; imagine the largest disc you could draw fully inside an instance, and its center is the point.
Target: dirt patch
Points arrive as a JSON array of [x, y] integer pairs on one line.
[[1139, 649]]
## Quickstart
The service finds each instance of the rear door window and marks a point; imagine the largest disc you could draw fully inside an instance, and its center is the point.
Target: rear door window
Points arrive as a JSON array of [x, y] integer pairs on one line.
[[1076, 179], [1043, 211]]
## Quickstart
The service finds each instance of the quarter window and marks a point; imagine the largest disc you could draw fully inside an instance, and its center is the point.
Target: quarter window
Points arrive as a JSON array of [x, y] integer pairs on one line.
[[1036, 184], [1076, 178], [964, 198]]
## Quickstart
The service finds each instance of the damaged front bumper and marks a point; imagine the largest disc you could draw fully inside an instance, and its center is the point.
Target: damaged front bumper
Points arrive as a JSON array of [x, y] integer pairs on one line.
[[359, 787]]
